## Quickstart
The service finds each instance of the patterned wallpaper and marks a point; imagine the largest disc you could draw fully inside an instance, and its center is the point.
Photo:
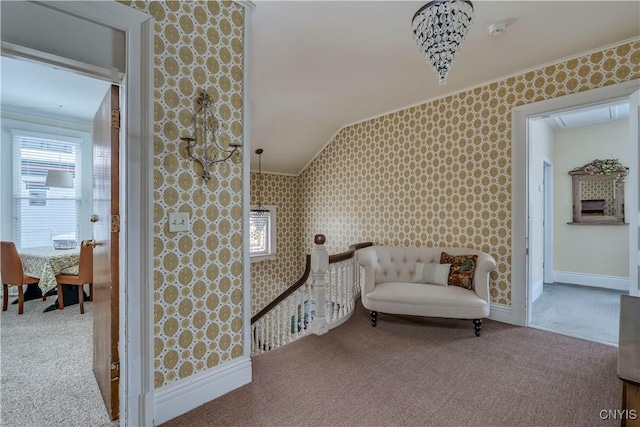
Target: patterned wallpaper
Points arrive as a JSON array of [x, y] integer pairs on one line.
[[197, 275], [269, 278], [438, 174], [599, 189]]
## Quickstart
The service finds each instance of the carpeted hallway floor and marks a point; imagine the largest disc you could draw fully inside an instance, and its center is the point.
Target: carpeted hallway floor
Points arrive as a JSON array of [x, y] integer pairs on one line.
[[46, 368], [407, 371], [579, 311], [412, 371]]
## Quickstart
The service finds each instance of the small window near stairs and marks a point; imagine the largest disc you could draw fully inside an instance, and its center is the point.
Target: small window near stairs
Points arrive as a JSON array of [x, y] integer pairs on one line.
[[262, 232]]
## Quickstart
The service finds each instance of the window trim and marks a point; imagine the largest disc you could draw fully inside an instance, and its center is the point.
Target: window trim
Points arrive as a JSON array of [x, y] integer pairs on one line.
[[13, 124], [272, 253], [42, 197]]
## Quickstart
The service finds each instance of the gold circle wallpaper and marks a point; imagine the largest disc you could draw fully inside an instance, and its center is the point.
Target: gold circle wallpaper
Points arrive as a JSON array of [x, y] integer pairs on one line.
[[198, 45], [436, 174], [269, 278]]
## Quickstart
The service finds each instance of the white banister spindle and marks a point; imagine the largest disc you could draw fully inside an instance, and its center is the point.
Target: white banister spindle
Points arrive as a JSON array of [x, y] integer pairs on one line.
[[254, 344], [286, 320], [319, 266], [350, 281], [282, 325], [344, 284], [346, 287], [339, 286], [329, 292], [263, 335], [278, 325], [298, 315], [333, 274], [270, 331], [324, 301], [309, 296], [282, 321], [340, 289]]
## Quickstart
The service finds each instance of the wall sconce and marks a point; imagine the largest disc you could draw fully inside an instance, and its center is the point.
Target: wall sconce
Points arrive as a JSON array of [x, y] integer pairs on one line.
[[203, 146]]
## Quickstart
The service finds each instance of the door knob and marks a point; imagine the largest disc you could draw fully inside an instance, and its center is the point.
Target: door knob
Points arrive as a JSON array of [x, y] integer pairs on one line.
[[91, 244], [93, 218]]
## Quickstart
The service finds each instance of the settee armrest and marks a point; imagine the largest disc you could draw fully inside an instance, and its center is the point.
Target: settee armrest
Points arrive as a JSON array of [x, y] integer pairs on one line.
[[368, 260], [486, 264]]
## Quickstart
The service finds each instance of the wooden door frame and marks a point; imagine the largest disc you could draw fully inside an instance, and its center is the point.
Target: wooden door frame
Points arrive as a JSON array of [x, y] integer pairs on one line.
[[136, 391]]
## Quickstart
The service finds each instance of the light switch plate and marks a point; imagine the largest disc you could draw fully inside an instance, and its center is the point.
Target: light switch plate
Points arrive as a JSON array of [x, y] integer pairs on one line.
[[178, 221]]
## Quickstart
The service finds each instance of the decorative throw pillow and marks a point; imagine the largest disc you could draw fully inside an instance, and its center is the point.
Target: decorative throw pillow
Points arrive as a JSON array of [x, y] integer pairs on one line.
[[432, 273], [462, 269]]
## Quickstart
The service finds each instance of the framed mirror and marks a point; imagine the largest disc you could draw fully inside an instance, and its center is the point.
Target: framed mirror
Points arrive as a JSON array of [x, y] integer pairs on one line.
[[598, 192]]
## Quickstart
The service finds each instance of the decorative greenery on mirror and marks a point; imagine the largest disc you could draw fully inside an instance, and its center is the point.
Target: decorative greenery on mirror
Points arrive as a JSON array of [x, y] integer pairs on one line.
[[598, 192]]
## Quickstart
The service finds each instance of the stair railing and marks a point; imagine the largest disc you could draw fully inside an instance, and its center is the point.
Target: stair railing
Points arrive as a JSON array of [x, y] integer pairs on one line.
[[323, 298]]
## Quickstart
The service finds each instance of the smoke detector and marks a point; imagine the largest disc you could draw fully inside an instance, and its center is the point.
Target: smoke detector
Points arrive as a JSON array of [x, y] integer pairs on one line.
[[497, 28]]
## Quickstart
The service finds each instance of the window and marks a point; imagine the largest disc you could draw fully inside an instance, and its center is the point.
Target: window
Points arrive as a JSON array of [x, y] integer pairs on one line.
[[40, 213], [262, 232]]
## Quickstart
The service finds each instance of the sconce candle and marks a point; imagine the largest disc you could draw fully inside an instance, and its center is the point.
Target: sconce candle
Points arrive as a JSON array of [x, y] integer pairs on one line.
[[203, 146]]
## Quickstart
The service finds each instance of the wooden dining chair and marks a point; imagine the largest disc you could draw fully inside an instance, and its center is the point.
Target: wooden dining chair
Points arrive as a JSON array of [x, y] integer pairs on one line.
[[84, 277], [13, 275]]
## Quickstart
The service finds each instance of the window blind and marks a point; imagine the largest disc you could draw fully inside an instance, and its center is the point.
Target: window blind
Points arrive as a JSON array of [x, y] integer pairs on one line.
[[259, 232], [41, 213]]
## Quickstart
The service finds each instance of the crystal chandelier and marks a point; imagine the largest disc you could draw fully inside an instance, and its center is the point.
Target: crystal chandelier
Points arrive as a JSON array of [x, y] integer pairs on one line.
[[439, 28], [259, 213]]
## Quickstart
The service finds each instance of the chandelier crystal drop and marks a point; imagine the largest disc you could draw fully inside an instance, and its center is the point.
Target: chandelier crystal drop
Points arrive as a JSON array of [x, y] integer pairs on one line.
[[439, 28]]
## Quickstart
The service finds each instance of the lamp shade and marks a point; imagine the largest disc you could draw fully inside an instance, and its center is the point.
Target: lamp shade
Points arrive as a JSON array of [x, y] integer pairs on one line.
[[63, 179]]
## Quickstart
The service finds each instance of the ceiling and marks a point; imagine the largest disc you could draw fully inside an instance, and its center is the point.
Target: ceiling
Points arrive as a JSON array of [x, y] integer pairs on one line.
[[592, 115], [42, 90], [316, 66]]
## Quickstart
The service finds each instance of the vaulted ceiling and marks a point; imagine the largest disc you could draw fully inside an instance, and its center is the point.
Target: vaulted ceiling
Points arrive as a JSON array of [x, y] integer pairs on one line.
[[316, 66], [319, 65]]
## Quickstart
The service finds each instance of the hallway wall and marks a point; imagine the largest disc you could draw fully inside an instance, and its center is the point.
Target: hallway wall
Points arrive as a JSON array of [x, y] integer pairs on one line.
[[541, 140], [439, 174], [601, 250]]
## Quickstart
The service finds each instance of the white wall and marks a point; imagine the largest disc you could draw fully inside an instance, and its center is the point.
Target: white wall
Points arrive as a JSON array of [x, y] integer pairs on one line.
[[100, 46], [600, 250], [541, 139]]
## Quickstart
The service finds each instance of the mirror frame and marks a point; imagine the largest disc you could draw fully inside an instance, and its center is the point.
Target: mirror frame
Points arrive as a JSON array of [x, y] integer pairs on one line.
[[608, 169]]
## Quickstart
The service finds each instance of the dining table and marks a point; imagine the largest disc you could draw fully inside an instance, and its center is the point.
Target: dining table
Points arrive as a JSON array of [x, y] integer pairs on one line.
[[45, 262]]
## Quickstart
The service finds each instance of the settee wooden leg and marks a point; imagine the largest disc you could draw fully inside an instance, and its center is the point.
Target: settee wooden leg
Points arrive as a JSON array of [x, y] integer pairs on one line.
[[477, 323], [374, 318]]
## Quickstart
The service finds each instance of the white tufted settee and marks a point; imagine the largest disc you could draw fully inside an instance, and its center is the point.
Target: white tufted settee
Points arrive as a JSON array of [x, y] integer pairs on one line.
[[388, 284]]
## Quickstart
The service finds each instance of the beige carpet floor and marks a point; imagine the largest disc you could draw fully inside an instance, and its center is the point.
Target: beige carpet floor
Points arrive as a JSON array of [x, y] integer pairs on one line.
[[46, 374], [579, 311], [412, 371]]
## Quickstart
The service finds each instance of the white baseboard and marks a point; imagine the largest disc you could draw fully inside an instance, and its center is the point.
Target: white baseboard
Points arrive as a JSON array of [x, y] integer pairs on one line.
[[185, 395], [502, 313], [536, 290], [607, 282]]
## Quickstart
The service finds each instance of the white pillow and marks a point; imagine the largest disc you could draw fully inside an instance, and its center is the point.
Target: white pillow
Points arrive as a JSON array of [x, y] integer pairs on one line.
[[432, 273]]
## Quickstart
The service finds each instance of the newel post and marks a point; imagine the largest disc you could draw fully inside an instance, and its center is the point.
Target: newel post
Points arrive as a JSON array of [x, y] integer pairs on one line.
[[319, 266]]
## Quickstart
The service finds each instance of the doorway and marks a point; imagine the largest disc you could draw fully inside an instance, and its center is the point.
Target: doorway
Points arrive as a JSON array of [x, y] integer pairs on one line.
[[47, 114], [520, 272], [577, 273], [70, 19]]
